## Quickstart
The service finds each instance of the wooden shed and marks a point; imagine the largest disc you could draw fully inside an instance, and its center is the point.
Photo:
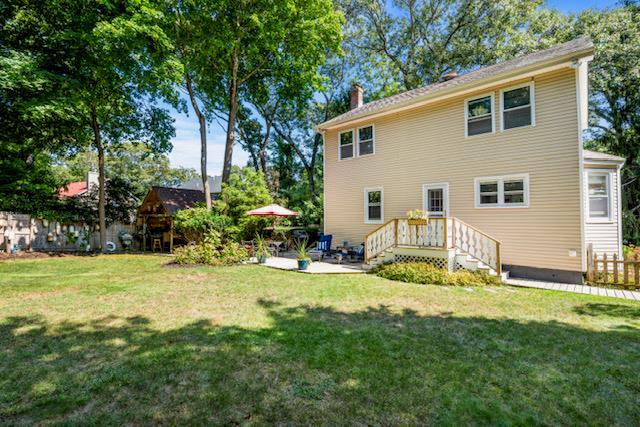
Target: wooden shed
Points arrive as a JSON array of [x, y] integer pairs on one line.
[[155, 215]]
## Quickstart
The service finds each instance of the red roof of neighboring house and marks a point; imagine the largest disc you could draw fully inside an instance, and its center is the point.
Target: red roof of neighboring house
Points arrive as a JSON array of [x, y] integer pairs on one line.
[[73, 189]]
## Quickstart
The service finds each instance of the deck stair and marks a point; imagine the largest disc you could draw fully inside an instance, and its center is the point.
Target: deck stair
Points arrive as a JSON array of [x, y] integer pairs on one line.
[[463, 246]]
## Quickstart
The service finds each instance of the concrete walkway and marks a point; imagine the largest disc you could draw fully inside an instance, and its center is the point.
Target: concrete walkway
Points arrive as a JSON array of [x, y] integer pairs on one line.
[[578, 289], [316, 267]]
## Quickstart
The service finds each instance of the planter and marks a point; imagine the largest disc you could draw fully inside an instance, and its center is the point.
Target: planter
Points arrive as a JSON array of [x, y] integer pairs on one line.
[[303, 264], [417, 221], [262, 259]]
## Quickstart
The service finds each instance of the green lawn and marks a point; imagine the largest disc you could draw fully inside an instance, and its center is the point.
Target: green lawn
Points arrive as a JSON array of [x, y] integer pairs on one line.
[[122, 339]]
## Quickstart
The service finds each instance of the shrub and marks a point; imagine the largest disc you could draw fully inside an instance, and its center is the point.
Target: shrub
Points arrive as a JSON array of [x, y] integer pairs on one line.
[[423, 273], [195, 223], [212, 251]]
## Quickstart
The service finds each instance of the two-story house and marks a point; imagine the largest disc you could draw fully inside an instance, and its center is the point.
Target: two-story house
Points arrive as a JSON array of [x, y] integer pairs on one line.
[[496, 158]]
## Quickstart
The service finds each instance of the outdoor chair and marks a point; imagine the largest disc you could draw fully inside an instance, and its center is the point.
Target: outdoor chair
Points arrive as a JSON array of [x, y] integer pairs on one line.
[[323, 247], [358, 253]]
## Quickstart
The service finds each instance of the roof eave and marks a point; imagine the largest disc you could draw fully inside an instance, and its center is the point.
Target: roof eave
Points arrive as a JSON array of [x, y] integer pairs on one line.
[[537, 68]]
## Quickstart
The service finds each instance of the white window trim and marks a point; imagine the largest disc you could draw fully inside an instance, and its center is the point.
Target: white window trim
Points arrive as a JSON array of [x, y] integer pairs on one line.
[[366, 205], [445, 186], [353, 144], [500, 179], [493, 114], [532, 94], [600, 220], [373, 139]]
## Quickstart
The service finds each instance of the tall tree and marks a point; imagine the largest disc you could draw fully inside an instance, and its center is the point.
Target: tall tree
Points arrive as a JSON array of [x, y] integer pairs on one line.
[[35, 121], [110, 54], [416, 42], [188, 24], [251, 40], [614, 79], [136, 164]]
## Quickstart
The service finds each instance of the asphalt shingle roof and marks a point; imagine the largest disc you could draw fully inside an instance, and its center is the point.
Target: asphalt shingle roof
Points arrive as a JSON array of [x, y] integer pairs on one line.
[[579, 45], [596, 155]]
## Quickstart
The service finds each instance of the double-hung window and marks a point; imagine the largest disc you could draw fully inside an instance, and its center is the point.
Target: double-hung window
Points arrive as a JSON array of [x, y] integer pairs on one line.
[[518, 108], [599, 196], [373, 205], [365, 141], [479, 115], [502, 191], [346, 145]]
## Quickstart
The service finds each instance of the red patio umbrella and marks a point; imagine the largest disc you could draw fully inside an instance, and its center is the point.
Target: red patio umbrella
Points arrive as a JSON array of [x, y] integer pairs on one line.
[[272, 210]]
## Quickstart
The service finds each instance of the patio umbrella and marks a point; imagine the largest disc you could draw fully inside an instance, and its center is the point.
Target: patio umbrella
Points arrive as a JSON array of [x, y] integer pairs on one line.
[[275, 211], [272, 210]]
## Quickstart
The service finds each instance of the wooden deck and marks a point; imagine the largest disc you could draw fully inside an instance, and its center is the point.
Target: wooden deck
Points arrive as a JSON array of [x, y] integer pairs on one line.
[[578, 289]]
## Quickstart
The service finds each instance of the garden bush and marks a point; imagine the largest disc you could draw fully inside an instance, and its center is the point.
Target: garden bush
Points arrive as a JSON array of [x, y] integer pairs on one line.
[[423, 273], [212, 251], [195, 223]]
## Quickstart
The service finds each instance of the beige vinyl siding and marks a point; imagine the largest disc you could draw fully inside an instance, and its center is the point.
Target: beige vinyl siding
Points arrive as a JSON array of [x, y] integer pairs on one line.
[[428, 145], [603, 235]]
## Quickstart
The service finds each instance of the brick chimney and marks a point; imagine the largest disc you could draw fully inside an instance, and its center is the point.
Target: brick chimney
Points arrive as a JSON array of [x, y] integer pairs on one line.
[[452, 75], [92, 179], [356, 96]]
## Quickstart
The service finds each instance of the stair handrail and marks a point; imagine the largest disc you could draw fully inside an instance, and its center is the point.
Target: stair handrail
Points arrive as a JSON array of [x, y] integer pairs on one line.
[[367, 254], [497, 267]]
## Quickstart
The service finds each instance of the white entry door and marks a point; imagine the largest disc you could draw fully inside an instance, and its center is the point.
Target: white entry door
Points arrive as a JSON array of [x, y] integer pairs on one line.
[[436, 199]]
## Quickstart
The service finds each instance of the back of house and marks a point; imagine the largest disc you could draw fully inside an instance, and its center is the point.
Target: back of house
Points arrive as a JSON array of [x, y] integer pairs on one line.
[[499, 149]]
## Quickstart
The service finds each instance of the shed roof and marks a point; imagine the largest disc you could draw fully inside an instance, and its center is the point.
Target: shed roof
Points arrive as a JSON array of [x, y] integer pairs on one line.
[[174, 199], [598, 156], [575, 48]]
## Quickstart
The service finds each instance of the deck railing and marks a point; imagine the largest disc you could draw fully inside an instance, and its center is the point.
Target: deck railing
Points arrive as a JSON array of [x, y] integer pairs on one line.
[[476, 243], [442, 233]]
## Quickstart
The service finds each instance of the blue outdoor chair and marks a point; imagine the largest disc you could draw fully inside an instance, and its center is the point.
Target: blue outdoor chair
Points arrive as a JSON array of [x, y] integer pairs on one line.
[[323, 247]]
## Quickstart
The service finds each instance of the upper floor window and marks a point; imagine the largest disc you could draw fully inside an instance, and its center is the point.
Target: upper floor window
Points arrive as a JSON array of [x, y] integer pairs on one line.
[[346, 145], [373, 205], [502, 191], [518, 107], [479, 115], [599, 195], [365, 141]]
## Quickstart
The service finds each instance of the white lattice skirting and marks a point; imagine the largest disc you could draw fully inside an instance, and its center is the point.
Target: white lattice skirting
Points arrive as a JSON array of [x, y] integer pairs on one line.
[[438, 262]]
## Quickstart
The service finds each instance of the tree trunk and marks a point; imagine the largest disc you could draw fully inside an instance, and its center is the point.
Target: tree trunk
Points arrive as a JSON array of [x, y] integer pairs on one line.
[[231, 122], [102, 221], [203, 143]]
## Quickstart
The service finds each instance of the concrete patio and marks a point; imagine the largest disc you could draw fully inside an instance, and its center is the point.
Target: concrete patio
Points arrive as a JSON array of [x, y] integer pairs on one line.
[[327, 266]]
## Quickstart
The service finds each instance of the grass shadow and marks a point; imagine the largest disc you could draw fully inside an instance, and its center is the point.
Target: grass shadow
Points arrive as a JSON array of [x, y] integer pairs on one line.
[[316, 365]]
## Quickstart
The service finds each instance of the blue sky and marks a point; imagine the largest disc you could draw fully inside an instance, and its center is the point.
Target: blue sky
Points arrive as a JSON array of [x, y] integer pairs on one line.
[[186, 143]]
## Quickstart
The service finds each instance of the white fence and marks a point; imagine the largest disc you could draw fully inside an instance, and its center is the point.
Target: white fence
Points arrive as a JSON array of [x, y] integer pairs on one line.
[[24, 232]]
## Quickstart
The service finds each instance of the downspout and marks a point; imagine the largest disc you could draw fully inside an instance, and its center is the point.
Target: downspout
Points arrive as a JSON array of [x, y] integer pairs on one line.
[[324, 181], [582, 104]]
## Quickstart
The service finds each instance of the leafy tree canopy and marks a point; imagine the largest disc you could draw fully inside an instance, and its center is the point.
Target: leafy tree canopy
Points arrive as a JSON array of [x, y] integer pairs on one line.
[[137, 164]]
